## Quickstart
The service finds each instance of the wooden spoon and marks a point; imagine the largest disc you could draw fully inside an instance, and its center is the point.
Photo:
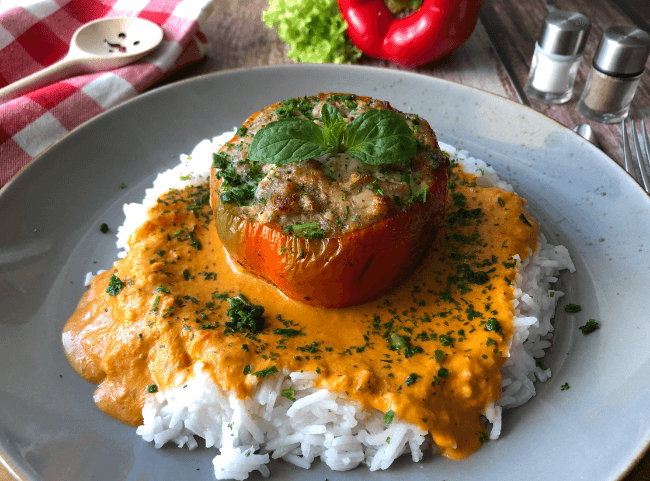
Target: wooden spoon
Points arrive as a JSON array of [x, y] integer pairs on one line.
[[99, 45]]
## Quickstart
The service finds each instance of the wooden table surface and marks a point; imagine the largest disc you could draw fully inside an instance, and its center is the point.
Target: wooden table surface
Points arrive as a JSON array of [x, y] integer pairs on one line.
[[496, 58]]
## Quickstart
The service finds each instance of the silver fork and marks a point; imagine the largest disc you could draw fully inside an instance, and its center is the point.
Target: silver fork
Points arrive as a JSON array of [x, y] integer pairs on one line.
[[638, 163]]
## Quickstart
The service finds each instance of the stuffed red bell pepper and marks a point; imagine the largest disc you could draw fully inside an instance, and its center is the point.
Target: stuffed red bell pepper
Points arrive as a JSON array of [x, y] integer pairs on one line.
[[437, 28], [332, 198]]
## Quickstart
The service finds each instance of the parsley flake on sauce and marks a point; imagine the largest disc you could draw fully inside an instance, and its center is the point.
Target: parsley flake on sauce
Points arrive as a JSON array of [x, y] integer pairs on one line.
[[266, 372], [525, 220], [115, 285], [565, 386], [411, 379], [152, 389], [244, 315]]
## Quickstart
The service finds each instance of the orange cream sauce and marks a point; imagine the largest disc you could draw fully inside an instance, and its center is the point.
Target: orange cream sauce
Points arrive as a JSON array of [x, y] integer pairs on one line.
[[431, 351]]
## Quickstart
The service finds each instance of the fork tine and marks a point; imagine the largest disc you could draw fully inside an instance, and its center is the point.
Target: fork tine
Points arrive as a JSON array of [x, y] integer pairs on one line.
[[646, 144], [639, 157], [627, 154]]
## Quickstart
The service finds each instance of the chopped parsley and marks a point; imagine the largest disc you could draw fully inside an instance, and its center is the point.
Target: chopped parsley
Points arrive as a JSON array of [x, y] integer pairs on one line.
[[572, 308], [266, 372], [388, 417], [288, 393], [589, 327], [288, 332], [308, 230], [152, 389], [525, 220], [115, 285], [493, 325], [565, 386], [103, 228], [244, 315], [411, 379]]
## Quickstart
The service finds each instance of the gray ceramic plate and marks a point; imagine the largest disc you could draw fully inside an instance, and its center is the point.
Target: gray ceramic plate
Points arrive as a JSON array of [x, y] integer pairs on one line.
[[49, 238]]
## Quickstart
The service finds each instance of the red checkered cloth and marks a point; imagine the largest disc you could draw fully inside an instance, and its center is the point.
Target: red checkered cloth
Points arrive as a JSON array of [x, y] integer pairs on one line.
[[38, 33]]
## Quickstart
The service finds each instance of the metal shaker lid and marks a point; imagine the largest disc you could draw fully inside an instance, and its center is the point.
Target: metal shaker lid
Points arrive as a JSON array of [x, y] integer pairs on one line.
[[622, 51], [564, 33]]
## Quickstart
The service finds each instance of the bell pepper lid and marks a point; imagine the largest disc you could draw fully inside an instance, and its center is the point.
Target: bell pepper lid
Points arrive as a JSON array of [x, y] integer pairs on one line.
[[564, 33]]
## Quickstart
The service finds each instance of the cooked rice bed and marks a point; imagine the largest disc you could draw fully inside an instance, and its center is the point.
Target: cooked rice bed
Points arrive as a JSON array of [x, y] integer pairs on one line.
[[541, 282]]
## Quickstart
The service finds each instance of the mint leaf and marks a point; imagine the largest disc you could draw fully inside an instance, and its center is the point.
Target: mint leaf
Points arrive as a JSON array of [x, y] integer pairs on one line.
[[333, 125], [379, 137], [288, 140]]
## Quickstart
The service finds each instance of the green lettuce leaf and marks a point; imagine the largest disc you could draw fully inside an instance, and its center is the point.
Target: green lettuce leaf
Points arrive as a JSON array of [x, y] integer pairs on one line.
[[314, 29]]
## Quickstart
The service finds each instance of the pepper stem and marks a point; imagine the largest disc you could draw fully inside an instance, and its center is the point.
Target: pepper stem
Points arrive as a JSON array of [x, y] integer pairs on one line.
[[403, 6]]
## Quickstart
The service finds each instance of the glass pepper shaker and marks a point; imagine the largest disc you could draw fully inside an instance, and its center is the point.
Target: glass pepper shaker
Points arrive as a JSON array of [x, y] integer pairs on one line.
[[615, 74], [557, 56]]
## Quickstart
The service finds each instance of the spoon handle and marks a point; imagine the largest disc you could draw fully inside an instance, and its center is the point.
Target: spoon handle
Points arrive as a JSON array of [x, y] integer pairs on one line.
[[63, 68]]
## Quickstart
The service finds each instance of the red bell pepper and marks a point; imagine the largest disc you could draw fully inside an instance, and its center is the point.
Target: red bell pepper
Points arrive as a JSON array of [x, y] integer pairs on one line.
[[437, 28], [335, 271]]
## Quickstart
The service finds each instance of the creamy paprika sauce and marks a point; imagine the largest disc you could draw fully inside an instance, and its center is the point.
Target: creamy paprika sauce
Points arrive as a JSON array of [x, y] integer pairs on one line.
[[431, 350]]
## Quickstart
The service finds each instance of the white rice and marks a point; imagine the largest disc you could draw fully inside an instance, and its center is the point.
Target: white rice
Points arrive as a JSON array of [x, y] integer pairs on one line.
[[322, 424]]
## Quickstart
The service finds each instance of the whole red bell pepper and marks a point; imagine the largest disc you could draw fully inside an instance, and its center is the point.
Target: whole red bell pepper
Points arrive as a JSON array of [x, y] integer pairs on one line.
[[437, 28]]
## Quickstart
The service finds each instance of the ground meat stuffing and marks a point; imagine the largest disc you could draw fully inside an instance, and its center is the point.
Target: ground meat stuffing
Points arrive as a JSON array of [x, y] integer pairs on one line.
[[337, 193]]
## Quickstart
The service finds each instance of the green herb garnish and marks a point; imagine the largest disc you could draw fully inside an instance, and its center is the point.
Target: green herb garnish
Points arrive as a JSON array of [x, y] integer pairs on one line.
[[244, 316], [493, 325], [410, 380], [266, 372], [152, 389], [288, 332], [154, 308], [388, 417], [375, 137], [115, 285], [589, 327], [572, 308], [288, 393], [308, 230]]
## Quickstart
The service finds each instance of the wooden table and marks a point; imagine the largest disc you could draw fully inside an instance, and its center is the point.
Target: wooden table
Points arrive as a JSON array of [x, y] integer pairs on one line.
[[496, 58]]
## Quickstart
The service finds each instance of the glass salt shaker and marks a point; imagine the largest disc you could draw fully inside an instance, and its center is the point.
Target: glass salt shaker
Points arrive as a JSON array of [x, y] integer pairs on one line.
[[557, 56], [615, 74]]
